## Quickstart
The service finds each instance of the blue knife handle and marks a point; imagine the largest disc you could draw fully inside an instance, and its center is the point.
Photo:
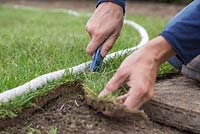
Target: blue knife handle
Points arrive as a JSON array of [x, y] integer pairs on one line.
[[97, 60]]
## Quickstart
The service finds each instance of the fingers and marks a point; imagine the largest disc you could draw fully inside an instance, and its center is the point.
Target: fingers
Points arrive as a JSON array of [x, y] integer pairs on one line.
[[108, 45], [122, 98], [132, 101], [137, 97], [116, 81], [98, 40], [93, 45]]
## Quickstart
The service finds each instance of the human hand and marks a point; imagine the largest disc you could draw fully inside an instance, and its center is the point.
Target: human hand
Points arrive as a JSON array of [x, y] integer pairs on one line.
[[139, 71], [139, 74], [104, 27]]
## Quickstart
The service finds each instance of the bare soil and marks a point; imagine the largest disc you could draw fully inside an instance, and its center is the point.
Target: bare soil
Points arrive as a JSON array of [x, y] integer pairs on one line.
[[132, 7], [69, 113]]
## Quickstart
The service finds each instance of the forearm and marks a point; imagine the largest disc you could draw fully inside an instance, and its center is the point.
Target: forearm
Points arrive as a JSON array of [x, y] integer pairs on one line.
[[121, 3], [159, 50]]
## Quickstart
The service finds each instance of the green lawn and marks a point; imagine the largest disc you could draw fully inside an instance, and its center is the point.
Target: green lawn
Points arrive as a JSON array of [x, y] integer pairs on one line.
[[33, 43]]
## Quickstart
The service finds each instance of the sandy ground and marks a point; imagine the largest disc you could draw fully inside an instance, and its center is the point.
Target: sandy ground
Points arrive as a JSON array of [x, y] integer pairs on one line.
[[132, 8]]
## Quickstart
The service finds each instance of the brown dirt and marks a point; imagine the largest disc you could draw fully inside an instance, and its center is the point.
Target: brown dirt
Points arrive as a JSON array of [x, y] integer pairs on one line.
[[132, 7], [70, 114]]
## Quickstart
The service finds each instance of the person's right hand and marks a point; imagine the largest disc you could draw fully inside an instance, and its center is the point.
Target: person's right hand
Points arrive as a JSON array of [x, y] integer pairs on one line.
[[138, 71], [104, 27]]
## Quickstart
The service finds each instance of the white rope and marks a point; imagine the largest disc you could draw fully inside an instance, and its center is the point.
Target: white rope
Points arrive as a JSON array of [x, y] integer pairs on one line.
[[43, 79]]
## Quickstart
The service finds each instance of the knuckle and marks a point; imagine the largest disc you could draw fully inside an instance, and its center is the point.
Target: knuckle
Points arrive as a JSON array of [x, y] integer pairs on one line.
[[121, 72], [143, 91], [98, 33], [88, 51], [116, 35], [107, 47], [110, 44], [150, 94], [110, 86], [88, 29]]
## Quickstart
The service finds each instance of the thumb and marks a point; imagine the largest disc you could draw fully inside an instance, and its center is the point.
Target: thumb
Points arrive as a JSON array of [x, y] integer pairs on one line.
[[116, 81], [93, 45]]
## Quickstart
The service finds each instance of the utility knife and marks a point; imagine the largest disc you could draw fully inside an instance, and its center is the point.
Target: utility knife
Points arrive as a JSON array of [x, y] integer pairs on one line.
[[97, 60]]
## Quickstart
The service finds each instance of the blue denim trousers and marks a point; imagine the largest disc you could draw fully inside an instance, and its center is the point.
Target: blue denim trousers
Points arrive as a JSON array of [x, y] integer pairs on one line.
[[176, 62]]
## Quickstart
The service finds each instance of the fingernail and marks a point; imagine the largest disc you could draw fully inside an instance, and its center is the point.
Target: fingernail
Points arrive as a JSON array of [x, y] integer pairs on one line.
[[104, 93]]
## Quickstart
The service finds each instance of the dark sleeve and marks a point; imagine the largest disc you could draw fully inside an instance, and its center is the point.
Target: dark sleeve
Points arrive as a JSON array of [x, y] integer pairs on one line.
[[183, 32], [118, 2]]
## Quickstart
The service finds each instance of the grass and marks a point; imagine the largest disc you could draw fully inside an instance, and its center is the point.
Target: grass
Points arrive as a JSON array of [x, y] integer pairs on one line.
[[97, 80], [33, 43]]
